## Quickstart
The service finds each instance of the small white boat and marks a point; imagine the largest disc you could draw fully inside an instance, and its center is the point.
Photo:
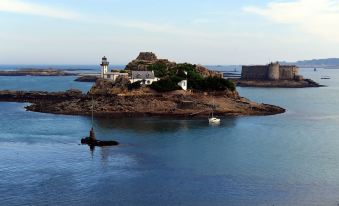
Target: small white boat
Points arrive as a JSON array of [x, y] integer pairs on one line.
[[214, 120]]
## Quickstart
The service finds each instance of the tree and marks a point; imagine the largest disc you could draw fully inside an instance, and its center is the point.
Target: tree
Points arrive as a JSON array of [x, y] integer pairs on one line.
[[165, 85], [160, 69]]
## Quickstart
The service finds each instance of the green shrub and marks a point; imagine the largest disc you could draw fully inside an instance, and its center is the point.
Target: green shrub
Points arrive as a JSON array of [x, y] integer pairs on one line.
[[211, 84], [171, 78], [135, 85], [218, 84], [165, 85], [160, 70]]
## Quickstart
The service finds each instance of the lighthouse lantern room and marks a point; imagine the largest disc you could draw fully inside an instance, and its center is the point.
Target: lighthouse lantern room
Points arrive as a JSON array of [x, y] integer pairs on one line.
[[104, 67]]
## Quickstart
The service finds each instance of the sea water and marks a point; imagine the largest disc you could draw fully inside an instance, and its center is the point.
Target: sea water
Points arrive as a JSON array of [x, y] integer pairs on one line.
[[286, 159]]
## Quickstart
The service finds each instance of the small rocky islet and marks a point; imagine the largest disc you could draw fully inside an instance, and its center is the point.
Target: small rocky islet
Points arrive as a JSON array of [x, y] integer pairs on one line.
[[37, 72], [123, 98]]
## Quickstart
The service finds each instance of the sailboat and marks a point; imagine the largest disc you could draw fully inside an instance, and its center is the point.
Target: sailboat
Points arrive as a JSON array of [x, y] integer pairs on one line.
[[212, 119], [91, 139]]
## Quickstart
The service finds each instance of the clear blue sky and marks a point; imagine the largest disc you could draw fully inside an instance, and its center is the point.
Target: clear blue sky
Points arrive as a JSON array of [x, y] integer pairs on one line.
[[199, 31]]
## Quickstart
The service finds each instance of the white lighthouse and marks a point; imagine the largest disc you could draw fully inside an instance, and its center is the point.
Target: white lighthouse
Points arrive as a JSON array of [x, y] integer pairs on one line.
[[104, 67]]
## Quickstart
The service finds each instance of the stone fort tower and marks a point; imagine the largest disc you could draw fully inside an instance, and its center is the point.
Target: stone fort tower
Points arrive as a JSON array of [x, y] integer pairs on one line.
[[273, 71]]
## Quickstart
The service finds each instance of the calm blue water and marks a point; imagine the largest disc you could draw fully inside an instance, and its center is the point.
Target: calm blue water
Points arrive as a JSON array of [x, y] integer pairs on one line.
[[288, 159]]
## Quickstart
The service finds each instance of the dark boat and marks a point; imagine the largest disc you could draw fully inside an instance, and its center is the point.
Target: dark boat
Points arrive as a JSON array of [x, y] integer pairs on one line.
[[93, 142], [325, 77]]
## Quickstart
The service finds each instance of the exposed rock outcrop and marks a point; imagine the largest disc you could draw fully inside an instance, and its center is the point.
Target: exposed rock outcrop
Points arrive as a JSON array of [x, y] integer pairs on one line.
[[206, 72], [147, 56], [145, 59], [87, 78], [39, 96]]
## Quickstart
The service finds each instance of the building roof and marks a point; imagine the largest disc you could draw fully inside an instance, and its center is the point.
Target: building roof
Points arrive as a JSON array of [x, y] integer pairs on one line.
[[143, 75], [117, 73]]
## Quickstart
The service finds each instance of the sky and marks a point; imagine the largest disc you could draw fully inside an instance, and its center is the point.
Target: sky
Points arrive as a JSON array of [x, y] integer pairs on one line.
[[214, 32]]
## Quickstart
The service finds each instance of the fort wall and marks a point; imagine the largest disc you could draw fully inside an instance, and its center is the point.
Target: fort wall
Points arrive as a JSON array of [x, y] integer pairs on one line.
[[288, 72], [254, 72]]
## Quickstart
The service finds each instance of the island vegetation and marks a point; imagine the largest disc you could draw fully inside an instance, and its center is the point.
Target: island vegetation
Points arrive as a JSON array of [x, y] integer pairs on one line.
[[170, 77]]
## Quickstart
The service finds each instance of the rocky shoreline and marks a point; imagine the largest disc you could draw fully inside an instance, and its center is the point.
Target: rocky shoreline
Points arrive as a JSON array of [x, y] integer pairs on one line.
[[141, 103], [277, 83]]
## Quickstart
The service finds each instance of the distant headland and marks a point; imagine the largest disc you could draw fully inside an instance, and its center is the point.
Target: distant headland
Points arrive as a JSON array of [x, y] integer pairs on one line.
[[329, 63]]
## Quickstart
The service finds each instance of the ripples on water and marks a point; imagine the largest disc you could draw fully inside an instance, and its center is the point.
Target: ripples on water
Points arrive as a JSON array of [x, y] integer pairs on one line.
[[287, 159]]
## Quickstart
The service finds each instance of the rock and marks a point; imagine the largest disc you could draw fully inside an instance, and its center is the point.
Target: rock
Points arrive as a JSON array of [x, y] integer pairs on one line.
[[39, 96], [122, 81], [147, 56], [206, 72], [277, 83], [75, 93], [89, 78], [108, 87], [101, 87], [145, 59]]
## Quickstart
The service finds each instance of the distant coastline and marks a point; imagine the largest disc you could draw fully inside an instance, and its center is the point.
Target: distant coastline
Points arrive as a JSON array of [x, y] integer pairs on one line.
[[36, 72]]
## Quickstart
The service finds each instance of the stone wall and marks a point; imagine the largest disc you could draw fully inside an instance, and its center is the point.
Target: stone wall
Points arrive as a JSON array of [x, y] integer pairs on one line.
[[288, 72], [258, 72]]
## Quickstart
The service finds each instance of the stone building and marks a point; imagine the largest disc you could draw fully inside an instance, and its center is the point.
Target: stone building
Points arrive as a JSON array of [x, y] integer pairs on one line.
[[272, 71]]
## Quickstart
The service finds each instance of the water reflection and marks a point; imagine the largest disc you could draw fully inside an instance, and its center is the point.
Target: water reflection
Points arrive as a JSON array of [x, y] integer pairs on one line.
[[105, 152], [157, 125]]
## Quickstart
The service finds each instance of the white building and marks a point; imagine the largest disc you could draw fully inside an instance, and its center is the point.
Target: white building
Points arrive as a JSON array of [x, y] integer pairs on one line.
[[183, 84], [104, 67], [105, 71], [146, 77]]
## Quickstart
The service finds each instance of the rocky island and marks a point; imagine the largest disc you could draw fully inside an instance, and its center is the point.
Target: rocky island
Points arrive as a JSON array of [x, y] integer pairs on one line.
[[273, 75], [151, 87]]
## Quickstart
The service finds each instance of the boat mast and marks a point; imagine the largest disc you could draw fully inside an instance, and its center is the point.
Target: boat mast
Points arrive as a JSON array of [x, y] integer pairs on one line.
[[92, 111], [213, 107]]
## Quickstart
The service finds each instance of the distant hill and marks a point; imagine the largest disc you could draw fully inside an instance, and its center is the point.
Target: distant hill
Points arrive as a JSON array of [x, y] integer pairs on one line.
[[328, 63]]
